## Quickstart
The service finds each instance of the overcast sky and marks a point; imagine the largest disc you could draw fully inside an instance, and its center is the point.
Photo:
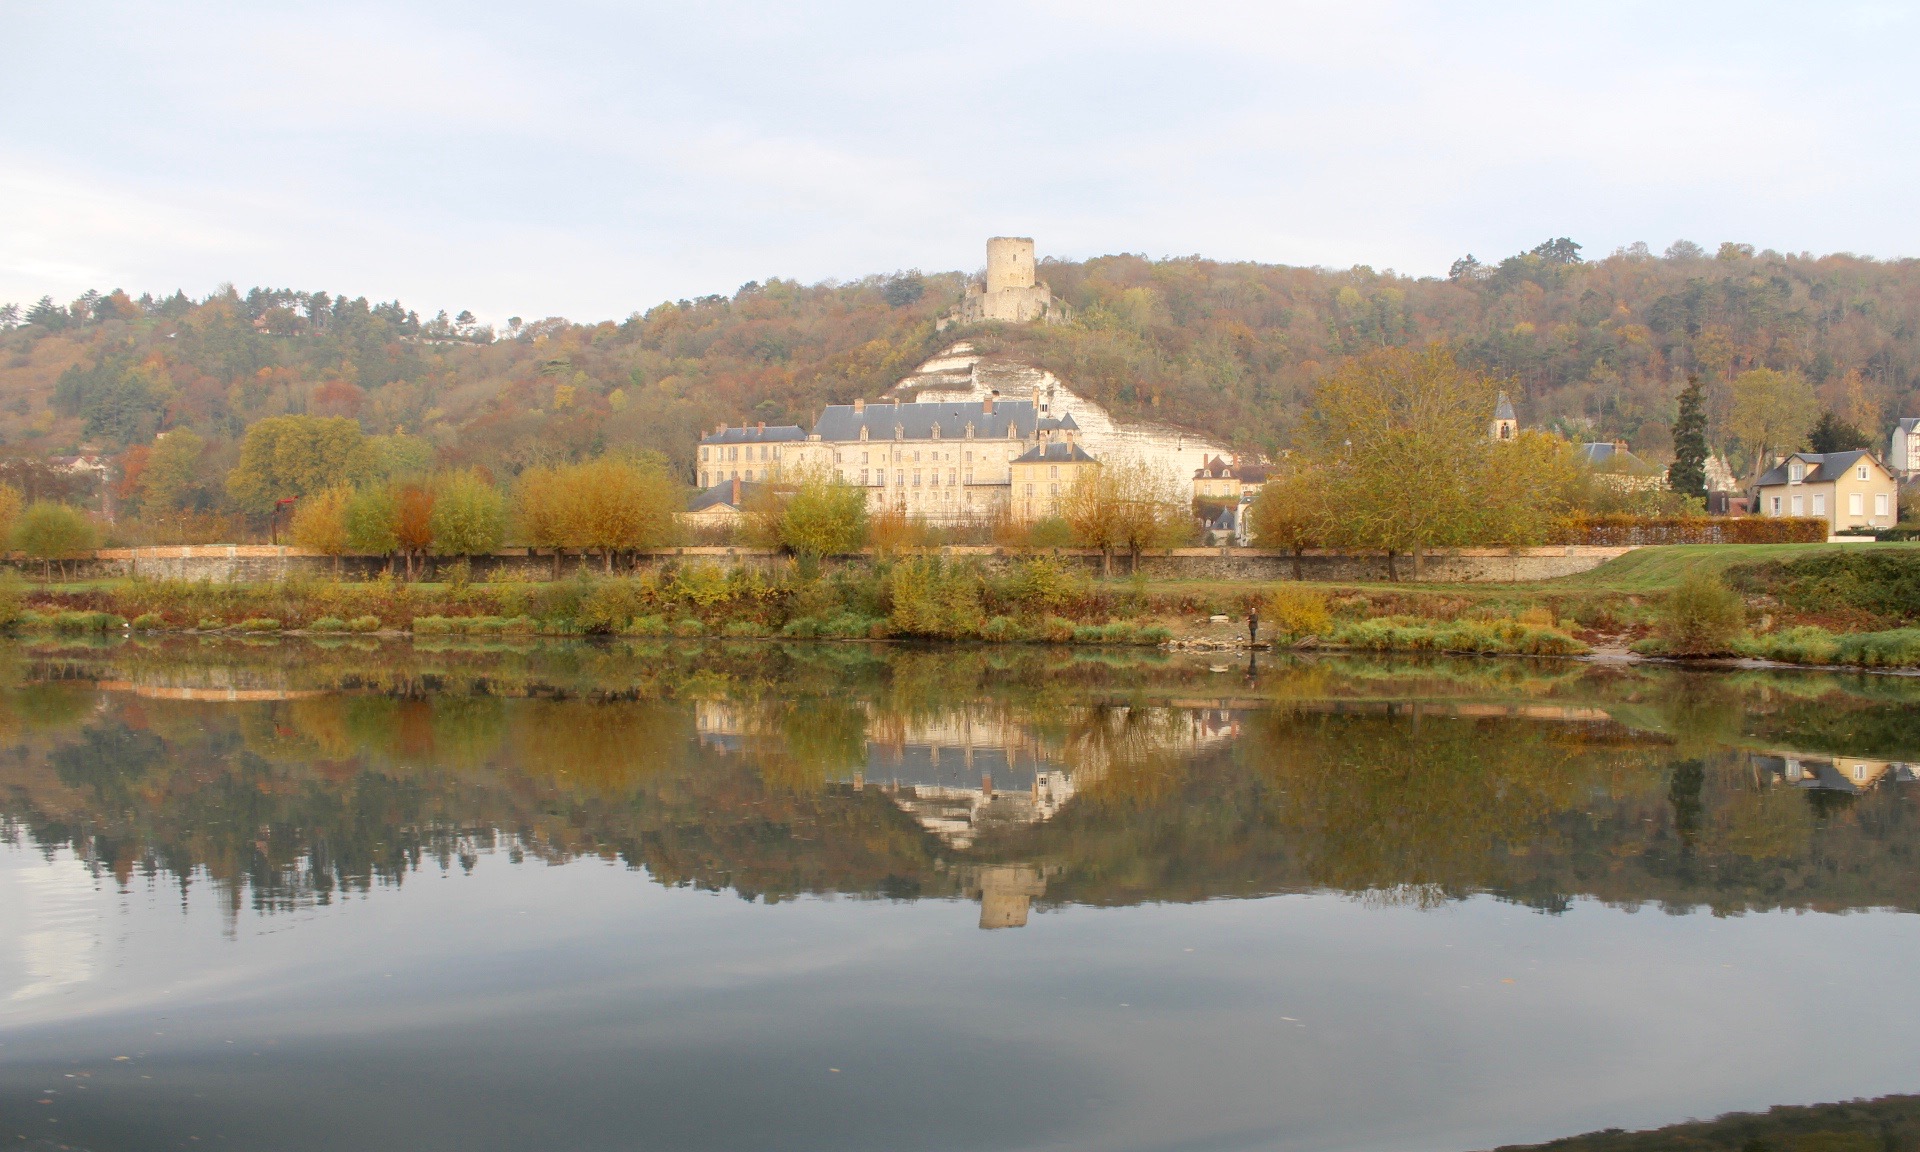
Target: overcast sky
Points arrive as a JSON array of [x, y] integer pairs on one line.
[[590, 159]]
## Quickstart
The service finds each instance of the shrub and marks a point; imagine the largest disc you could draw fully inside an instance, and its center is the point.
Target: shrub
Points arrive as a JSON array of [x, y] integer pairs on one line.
[[1487, 637], [1899, 648], [1042, 585], [326, 624], [364, 624], [12, 595], [260, 624], [519, 625], [744, 628], [649, 626], [211, 624], [1003, 630], [1884, 583], [1296, 611], [1155, 634], [148, 622], [801, 628], [1804, 645], [1056, 630], [1701, 616], [1617, 529], [688, 626], [432, 626], [76, 623]]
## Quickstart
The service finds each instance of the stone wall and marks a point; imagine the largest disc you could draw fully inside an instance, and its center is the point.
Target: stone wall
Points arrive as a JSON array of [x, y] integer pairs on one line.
[[228, 563]]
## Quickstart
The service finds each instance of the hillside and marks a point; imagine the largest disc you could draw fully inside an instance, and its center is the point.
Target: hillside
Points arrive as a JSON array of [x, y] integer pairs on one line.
[[1227, 349]]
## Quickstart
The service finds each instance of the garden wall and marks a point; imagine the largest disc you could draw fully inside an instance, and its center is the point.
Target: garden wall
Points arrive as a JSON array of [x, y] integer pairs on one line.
[[251, 563]]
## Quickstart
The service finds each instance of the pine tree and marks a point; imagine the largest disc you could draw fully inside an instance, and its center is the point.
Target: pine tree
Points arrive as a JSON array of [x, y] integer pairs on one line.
[[1688, 476]]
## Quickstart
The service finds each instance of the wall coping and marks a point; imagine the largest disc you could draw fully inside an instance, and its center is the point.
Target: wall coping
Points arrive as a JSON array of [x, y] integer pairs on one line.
[[288, 551]]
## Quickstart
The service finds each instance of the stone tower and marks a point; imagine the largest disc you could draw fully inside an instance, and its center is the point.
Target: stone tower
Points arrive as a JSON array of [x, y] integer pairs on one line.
[[1009, 263], [1009, 293], [1504, 425]]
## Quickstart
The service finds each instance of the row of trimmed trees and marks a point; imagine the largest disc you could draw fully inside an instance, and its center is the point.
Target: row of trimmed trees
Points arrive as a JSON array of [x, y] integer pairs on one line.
[[609, 506]]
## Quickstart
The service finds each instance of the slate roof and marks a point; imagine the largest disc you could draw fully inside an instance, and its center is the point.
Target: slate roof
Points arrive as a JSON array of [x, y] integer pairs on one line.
[[1606, 454], [1504, 409], [721, 494], [1054, 454], [1909, 423], [917, 421], [756, 435], [1822, 467]]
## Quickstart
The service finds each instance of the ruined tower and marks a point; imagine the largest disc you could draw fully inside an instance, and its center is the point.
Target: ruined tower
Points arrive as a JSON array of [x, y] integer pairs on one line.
[[1009, 292]]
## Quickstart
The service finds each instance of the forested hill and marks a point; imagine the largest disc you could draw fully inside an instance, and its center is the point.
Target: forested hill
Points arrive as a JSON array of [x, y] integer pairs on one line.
[[1595, 348]]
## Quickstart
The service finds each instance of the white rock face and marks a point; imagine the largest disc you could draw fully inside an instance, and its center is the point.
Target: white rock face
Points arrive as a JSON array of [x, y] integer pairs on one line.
[[960, 374]]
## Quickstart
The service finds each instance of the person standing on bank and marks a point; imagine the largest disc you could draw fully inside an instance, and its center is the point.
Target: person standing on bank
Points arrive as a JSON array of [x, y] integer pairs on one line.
[[1253, 626]]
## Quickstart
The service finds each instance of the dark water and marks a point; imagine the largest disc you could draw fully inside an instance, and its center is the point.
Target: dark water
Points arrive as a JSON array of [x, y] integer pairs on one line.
[[287, 896]]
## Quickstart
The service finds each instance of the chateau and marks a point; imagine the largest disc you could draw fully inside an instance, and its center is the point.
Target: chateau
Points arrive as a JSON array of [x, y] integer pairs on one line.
[[1009, 292]]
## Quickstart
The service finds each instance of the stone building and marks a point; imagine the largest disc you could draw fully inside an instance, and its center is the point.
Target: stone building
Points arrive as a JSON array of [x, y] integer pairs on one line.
[[1046, 472], [750, 454], [1009, 292], [1505, 425]]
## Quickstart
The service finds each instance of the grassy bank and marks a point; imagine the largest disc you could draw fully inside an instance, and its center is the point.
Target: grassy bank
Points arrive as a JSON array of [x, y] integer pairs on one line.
[[1802, 603]]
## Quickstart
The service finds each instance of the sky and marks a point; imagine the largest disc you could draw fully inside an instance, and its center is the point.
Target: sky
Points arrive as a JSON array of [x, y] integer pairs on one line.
[[592, 159]]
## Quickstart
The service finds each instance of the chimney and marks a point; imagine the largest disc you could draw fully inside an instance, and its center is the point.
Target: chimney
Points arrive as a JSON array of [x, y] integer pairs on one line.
[[1619, 445], [721, 430], [859, 406], [763, 425], [736, 491], [986, 406]]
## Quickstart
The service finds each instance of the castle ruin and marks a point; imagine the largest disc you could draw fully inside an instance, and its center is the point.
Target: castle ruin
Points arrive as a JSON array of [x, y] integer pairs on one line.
[[1009, 292]]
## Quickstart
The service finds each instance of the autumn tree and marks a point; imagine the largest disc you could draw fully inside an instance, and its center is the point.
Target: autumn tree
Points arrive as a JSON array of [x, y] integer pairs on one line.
[[540, 513], [1525, 490], [50, 532], [294, 456], [320, 524], [1091, 508], [413, 522], [469, 515], [1772, 413], [616, 506], [1152, 512], [12, 503], [1399, 438], [173, 478], [1290, 512]]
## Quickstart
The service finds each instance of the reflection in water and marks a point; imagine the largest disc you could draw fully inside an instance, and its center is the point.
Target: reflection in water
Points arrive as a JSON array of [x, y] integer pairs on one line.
[[1232, 869], [1012, 782]]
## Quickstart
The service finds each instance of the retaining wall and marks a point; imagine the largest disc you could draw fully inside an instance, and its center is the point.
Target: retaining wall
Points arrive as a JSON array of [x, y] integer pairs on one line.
[[247, 563]]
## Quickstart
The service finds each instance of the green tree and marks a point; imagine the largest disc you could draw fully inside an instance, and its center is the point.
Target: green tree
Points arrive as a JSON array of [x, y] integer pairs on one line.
[[1289, 513], [823, 516], [1833, 434], [398, 457], [369, 521], [172, 479], [1688, 476], [294, 456], [1772, 413], [1400, 437], [469, 515], [50, 532]]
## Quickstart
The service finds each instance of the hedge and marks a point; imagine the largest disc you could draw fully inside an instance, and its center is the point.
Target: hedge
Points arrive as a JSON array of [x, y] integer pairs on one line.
[[1618, 530]]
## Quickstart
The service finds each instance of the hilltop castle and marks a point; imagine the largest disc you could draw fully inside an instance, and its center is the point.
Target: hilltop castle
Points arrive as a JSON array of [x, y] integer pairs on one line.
[[1009, 293]]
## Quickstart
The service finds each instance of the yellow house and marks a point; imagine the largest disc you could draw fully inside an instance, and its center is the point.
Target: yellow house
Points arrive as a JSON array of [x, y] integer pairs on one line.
[[1044, 474], [1218, 482], [1846, 489]]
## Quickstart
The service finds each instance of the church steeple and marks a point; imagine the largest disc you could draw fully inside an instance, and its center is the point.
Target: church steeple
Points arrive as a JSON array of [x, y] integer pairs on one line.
[[1505, 426]]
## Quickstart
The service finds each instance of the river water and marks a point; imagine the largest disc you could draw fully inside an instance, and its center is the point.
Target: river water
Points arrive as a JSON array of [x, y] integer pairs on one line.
[[750, 896]]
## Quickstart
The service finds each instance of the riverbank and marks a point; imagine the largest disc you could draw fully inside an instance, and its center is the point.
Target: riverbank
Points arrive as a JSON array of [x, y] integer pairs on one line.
[[1814, 604]]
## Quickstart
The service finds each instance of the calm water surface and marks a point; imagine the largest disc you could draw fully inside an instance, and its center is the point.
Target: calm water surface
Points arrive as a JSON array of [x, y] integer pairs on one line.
[[294, 896]]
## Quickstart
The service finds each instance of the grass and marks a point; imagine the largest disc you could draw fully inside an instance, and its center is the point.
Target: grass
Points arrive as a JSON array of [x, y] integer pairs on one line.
[[1660, 568]]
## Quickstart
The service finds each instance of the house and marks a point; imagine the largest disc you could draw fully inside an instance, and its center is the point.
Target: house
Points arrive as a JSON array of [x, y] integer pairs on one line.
[[749, 454], [1903, 450], [1218, 482], [720, 506], [1617, 467], [1846, 489], [1045, 473]]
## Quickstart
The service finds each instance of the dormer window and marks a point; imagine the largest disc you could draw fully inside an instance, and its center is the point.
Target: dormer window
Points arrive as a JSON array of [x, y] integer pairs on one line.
[[1796, 471]]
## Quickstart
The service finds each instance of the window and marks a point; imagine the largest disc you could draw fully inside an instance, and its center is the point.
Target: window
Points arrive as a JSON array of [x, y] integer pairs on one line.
[[1862, 473], [900, 478], [863, 477], [1776, 505], [703, 481], [1799, 505], [953, 475], [1819, 503], [703, 452], [749, 475], [1055, 490], [1029, 490], [916, 477], [1796, 472], [969, 475], [1856, 504], [1054, 471], [733, 453], [1880, 504]]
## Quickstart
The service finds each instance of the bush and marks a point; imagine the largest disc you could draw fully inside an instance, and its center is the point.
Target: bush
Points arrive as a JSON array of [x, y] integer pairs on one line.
[[364, 624], [78, 623], [211, 624], [649, 626], [1792, 646], [1295, 611], [689, 626], [1883, 583], [744, 628], [1487, 637], [260, 624], [1616, 530], [432, 626], [1701, 617], [325, 624], [148, 622]]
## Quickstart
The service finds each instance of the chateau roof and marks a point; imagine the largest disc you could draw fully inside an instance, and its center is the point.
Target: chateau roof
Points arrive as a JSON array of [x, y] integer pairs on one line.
[[761, 434], [1504, 409], [840, 422], [1821, 467], [1055, 454]]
